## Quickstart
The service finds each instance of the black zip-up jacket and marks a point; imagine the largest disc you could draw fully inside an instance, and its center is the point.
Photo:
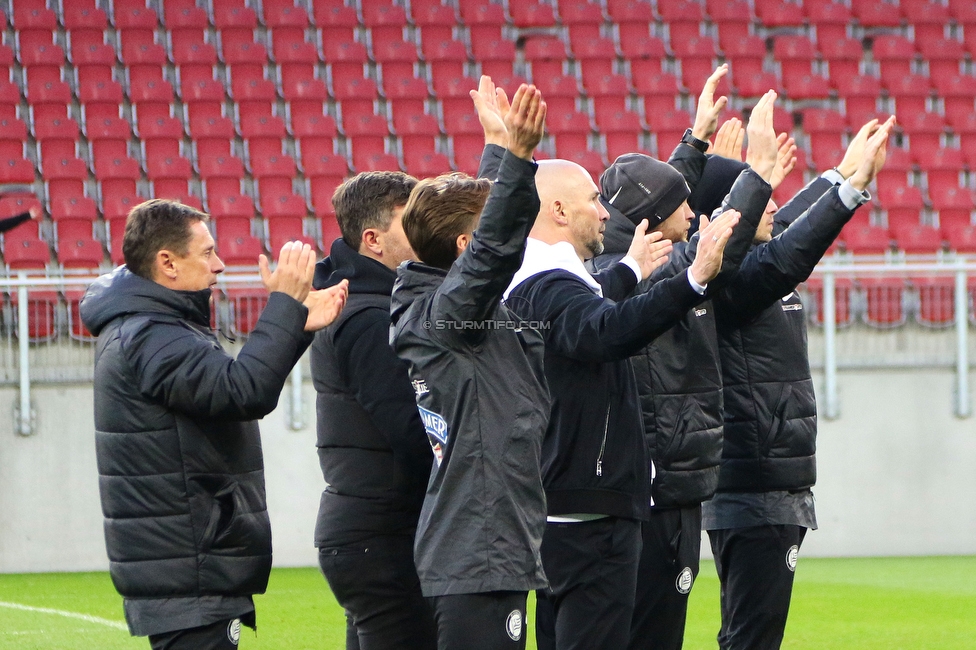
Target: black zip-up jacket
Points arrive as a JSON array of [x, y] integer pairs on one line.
[[481, 391], [679, 377], [770, 406], [594, 456], [181, 473], [372, 447]]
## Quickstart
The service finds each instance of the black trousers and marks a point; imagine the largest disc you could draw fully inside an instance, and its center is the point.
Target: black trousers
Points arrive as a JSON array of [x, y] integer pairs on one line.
[[592, 571], [755, 567], [223, 635], [488, 621], [376, 583], [669, 564]]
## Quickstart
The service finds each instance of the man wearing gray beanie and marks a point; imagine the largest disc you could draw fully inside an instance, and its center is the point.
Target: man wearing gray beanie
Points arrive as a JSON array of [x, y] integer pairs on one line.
[[678, 374]]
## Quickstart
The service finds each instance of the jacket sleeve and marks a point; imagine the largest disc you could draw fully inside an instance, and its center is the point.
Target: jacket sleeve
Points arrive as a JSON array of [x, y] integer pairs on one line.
[[800, 203], [189, 373], [749, 196], [689, 162], [617, 281], [379, 380], [491, 160], [772, 270], [473, 287], [583, 326]]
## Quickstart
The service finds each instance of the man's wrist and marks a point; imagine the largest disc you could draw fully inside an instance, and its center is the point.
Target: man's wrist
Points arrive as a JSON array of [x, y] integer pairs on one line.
[[699, 288], [851, 196], [690, 139], [632, 264]]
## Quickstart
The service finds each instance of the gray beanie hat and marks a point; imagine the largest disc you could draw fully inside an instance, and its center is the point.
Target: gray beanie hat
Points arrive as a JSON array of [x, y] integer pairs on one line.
[[640, 187]]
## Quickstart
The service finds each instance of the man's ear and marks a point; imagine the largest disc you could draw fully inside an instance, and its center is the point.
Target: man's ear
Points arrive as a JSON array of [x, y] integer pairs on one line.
[[558, 212], [165, 265], [370, 242], [462, 242]]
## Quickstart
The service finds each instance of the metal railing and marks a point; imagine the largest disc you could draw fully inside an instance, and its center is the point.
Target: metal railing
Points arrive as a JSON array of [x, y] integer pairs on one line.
[[43, 340], [959, 269]]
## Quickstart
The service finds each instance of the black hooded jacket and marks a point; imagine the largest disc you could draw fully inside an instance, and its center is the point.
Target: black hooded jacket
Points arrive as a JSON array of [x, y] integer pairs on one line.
[[679, 377], [372, 447], [482, 395], [181, 473]]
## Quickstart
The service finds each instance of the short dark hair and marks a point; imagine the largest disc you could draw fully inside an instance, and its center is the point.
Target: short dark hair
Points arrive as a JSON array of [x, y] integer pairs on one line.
[[155, 225], [367, 200], [438, 211]]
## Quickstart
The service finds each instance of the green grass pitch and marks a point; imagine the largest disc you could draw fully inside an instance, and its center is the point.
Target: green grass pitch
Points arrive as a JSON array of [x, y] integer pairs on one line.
[[862, 604]]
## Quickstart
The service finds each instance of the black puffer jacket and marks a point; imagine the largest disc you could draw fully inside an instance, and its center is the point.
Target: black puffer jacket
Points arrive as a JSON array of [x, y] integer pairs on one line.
[[181, 473], [770, 406], [678, 375], [372, 447]]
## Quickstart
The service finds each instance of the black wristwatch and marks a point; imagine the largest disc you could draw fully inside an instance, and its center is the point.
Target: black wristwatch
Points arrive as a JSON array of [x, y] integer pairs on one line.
[[689, 139]]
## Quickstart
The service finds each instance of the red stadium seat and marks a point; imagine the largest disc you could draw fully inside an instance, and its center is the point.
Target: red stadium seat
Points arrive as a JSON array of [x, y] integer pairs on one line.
[[936, 304], [238, 46], [884, 301], [288, 44], [875, 14], [861, 239], [88, 47], [139, 47], [282, 13], [278, 198], [320, 190], [232, 14], [333, 13], [379, 13], [779, 14], [267, 158], [915, 238], [189, 46], [843, 312], [531, 14], [184, 14]]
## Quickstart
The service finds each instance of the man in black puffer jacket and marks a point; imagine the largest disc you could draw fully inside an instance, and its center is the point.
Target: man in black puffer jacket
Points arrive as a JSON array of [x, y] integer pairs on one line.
[[372, 446], [181, 473], [764, 505], [678, 375]]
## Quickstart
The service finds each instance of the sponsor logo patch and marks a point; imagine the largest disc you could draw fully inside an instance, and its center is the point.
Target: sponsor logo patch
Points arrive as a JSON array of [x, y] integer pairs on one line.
[[435, 425], [700, 312], [684, 581], [234, 631], [791, 557], [514, 625]]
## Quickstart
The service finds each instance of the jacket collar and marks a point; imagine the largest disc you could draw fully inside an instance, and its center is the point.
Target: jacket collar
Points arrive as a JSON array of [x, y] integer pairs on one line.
[[541, 257]]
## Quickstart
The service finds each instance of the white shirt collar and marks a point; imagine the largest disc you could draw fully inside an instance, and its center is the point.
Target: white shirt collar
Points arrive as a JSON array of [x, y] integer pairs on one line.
[[540, 257]]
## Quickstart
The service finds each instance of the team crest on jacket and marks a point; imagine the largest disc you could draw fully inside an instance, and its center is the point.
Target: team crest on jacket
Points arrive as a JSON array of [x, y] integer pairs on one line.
[[791, 557], [791, 306], [514, 625], [234, 631], [684, 581]]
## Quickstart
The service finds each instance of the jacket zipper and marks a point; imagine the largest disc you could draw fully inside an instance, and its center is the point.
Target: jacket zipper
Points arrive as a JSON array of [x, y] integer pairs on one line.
[[603, 444]]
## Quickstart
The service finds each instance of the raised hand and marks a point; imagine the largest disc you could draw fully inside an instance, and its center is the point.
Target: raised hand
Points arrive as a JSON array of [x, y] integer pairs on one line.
[[525, 121], [873, 157], [491, 104], [728, 140], [649, 250], [713, 236], [706, 117], [293, 275], [325, 305], [762, 149], [785, 159], [855, 150]]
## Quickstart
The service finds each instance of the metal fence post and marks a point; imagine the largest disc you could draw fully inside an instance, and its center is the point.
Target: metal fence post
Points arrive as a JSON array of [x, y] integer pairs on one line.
[[25, 415], [296, 412], [831, 406], [963, 409]]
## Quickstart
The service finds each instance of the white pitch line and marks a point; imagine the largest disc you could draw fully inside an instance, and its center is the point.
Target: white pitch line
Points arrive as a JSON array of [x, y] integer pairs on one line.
[[59, 612]]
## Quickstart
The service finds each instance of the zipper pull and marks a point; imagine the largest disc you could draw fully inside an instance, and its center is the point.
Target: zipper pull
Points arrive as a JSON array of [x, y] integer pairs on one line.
[[599, 467]]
